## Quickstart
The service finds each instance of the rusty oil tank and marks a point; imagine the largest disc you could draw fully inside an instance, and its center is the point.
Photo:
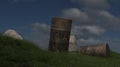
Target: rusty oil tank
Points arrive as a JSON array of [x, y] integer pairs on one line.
[[96, 50], [60, 34]]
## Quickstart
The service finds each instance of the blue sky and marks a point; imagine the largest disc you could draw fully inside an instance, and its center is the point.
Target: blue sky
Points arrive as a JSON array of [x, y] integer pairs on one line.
[[94, 21]]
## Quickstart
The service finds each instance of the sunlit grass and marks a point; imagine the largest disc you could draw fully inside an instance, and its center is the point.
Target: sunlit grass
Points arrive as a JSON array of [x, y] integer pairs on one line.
[[21, 53]]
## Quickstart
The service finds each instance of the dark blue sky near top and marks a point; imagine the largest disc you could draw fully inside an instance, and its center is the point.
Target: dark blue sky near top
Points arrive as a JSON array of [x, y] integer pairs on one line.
[[20, 13], [33, 17]]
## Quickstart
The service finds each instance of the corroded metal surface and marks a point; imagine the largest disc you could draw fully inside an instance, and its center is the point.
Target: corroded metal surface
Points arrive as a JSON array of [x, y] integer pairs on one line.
[[100, 50], [61, 24], [60, 34]]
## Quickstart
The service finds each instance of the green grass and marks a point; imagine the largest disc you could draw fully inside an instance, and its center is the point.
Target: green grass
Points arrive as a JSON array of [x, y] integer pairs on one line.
[[21, 53]]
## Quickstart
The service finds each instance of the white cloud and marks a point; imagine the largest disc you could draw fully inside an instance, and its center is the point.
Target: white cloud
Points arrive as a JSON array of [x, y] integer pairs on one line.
[[109, 17], [88, 41], [104, 19], [40, 26], [75, 14], [94, 29], [93, 3], [40, 34], [76, 30], [81, 30], [92, 17]]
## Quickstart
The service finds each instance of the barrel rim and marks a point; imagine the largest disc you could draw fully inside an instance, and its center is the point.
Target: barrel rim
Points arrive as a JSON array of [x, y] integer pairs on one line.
[[61, 18], [105, 44]]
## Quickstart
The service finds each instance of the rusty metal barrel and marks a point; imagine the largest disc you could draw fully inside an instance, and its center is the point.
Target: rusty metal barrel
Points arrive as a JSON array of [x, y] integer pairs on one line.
[[96, 50], [60, 34]]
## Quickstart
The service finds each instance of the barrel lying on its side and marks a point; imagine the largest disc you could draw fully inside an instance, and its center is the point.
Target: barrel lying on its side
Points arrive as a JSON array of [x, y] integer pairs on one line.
[[60, 34], [100, 50]]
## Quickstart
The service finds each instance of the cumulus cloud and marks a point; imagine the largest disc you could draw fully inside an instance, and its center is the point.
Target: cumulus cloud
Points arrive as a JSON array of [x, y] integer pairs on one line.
[[40, 34], [75, 14], [90, 16], [97, 4], [110, 19], [89, 41], [104, 18], [93, 29], [96, 30], [41, 26], [100, 18]]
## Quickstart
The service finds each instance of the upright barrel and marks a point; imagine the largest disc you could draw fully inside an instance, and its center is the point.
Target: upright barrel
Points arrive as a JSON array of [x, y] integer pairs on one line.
[[60, 34]]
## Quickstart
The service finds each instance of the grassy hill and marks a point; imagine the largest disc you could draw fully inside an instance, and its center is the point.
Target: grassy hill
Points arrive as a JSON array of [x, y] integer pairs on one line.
[[21, 53]]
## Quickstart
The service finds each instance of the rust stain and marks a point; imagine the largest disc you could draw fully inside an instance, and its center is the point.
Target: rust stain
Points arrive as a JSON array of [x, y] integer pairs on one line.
[[60, 34], [100, 50]]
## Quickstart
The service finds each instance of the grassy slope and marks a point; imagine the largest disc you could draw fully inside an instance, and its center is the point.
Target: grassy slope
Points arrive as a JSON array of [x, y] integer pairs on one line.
[[20, 53]]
